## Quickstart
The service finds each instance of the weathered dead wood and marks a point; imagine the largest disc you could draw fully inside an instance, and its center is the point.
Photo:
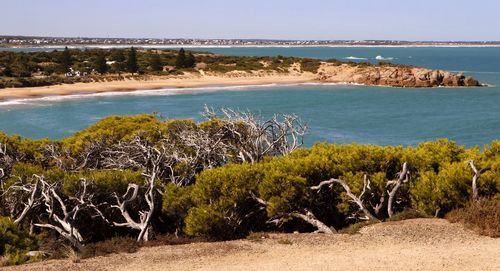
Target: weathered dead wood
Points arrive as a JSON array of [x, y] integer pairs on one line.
[[358, 200], [254, 138], [33, 200], [403, 177], [475, 178], [6, 163], [139, 154], [56, 213], [305, 215], [310, 218], [61, 216], [143, 225]]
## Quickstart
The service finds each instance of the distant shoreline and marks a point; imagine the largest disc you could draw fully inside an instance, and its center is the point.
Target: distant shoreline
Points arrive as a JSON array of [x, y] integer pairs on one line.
[[105, 46]]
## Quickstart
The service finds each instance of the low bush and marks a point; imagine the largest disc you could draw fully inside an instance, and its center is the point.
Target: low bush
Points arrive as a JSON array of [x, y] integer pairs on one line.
[[482, 216], [212, 182], [355, 228], [113, 245], [408, 214]]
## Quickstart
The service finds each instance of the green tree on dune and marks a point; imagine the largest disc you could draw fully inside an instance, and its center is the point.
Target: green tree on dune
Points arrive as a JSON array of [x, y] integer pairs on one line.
[[180, 61], [190, 60], [117, 55], [185, 60], [155, 62], [119, 60], [100, 63], [7, 71], [65, 60], [132, 66]]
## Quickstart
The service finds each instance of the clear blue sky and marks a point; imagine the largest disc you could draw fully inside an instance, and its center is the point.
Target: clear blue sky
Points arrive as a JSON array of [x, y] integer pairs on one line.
[[274, 19]]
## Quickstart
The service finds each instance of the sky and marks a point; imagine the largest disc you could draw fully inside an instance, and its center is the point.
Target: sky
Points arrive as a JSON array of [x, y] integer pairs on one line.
[[438, 20]]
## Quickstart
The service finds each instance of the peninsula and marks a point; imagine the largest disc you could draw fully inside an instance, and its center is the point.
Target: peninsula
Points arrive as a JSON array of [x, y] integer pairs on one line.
[[75, 71]]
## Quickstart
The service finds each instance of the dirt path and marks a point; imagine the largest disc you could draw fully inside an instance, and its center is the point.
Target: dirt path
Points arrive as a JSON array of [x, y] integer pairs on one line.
[[418, 244]]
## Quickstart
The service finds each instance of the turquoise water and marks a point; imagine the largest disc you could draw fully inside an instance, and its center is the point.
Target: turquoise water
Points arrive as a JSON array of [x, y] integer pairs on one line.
[[343, 114]]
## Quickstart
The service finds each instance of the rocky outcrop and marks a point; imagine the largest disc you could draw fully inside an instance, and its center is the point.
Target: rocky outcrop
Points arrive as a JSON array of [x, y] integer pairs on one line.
[[392, 75]]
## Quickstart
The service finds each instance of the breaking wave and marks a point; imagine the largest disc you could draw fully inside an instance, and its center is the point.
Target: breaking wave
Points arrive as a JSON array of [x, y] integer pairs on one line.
[[355, 58], [384, 58]]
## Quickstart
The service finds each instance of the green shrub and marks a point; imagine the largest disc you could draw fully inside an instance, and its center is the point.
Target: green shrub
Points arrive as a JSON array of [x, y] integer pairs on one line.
[[221, 199], [209, 221], [176, 203], [15, 242], [438, 193], [114, 129], [440, 179], [408, 214], [355, 228], [310, 65]]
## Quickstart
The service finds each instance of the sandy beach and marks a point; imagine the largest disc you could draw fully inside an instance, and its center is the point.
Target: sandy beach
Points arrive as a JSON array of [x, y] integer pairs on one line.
[[157, 82]]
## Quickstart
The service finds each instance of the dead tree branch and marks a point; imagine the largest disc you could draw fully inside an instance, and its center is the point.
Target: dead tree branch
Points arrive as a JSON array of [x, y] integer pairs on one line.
[[6, 163], [139, 154], [61, 216], [358, 200], [29, 196], [403, 177], [252, 138], [475, 178], [144, 224], [61, 212], [310, 218], [306, 215]]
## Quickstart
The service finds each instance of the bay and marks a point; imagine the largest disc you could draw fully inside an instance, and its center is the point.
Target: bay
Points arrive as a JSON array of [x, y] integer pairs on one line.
[[334, 113]]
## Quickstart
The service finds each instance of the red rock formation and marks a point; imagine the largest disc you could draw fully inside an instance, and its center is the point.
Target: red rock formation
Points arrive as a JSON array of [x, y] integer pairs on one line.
[[393, 75]]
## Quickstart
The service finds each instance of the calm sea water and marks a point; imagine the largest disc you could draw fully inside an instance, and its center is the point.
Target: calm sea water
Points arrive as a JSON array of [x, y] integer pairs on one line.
[[343, 114]]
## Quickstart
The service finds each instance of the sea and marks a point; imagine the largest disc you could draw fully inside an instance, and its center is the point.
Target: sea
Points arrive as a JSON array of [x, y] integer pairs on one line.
[[333, 112]]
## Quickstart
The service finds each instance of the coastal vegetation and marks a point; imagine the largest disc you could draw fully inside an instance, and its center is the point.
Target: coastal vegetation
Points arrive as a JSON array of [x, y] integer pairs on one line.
[[33, 69], [20, 69], [235, 173]]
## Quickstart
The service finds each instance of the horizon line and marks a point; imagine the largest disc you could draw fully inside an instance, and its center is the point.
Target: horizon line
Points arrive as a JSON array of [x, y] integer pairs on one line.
[[248, 39]]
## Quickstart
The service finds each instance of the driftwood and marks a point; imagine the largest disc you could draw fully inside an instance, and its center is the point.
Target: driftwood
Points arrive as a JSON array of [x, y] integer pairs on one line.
[[65, 224], [141, 154], [61, 213], [403, 177], [358, 200], [143, 225], [475, 178], [305, 215], [32, 190], [255, 138], [6, 163]]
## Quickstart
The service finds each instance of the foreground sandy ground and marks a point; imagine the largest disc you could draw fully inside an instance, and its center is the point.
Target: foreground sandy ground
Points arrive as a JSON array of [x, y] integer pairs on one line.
[[418, 244]]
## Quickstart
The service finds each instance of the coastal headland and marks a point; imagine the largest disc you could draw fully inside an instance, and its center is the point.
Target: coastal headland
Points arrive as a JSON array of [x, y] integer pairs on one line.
[[161, 69]]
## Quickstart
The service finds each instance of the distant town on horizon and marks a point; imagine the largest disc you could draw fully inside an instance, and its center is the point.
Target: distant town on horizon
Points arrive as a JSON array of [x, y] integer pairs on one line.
[[14, 41]]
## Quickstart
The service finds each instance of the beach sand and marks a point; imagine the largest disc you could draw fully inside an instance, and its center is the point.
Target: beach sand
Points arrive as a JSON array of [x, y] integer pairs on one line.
[[156, 82]]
